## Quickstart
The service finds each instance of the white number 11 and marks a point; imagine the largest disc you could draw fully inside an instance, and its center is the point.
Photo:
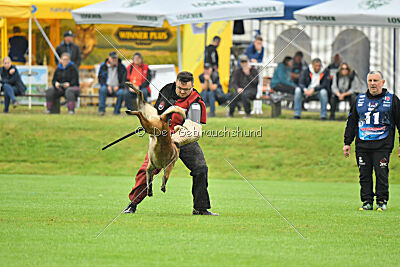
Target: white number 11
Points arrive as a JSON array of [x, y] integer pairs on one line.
[[376, 118]]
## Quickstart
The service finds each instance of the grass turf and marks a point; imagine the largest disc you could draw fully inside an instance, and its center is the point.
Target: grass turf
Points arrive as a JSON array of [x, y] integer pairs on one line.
[[53, 220], [58, 190]]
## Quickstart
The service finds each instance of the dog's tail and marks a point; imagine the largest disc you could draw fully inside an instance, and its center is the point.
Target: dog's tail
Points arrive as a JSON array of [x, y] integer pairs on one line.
[[173, 109]]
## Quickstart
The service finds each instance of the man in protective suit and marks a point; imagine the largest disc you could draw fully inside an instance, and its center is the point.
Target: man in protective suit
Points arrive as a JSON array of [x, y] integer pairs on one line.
[[181, 94]]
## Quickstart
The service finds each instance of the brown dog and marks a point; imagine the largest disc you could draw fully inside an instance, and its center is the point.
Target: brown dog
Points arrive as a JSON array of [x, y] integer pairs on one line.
[[163, 153]]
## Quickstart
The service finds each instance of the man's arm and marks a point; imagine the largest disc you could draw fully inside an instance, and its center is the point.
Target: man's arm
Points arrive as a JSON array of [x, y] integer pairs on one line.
[[146, 81], [302, 81], [236, 78], [253, 77], [351, 125], [78, 57], [123, 76]]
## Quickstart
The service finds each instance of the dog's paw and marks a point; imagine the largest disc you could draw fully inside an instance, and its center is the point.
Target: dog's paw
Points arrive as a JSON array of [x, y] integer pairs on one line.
[[163, 189]]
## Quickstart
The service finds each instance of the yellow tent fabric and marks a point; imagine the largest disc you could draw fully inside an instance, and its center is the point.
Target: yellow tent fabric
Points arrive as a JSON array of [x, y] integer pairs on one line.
[[14, 9], [193, 49], [60, 9]]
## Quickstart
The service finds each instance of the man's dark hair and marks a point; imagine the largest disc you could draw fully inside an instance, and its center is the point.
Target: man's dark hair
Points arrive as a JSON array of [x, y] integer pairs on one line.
[[185, 76], [286, 60], [258, 37], [316, 60], [16, 29], [299, 54], [216, 38]]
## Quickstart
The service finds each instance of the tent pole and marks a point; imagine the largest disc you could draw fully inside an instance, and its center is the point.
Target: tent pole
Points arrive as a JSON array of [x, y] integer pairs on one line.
[[394, 59], [30, 61], [205, 41], [47, 39], [179, 47]]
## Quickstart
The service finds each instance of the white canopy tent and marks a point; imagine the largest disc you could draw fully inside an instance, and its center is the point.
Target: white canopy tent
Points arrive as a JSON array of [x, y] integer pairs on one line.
[[378, 13], [153, 13]]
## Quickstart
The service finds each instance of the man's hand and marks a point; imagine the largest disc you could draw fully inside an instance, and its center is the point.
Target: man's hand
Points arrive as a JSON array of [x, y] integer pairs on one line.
[[253, 60], [309, 92], [341, 97], [346, 151], [116, 88], [57, 84], [12, 71], [109, 88], [206, 77], [240, 90], [66, 85]]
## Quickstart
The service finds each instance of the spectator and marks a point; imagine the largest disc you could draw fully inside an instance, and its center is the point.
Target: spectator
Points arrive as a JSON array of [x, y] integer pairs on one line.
[[334, 66], [112, 77], [18, 46], [299, 65], [209, 81], [281, 80], [245, 83], [345, 87], [12, 84], [313, 81], [65, 83], [68, 46], [139, 75], [255, 50], [211, 56]]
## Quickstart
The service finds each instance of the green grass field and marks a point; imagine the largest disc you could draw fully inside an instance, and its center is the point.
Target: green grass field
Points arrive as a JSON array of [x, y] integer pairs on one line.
[[59, 190]]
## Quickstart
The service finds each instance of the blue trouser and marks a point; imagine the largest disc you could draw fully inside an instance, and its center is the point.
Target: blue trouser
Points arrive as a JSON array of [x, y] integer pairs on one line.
[[298, 99], [9, 95], [103, 93], [209, 99], [131, 98]]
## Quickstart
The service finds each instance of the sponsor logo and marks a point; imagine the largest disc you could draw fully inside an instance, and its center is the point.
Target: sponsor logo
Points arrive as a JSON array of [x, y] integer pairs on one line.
[[394, 20], [60, 10], [208, 3], [189, 16], [372, 104], [383, 162], [143, 35], [263, 9], [361, 161], [146, 18], [320, 18], [90, 16], [133, 3], [372, 4], [373, 129], [161, 105], [387, 98]]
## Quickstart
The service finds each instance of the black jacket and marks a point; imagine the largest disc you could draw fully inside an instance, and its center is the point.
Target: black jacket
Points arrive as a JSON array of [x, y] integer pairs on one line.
[[305, 80], [241, 80], [103, 73], [69, 74], [75, 52], [211, 55], [379, 145], [13, 79]]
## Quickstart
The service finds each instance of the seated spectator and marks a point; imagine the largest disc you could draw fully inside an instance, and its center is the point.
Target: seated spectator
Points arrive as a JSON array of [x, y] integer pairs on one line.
[[112, 77], [313, 81], [281, 80], [209, 81], [299, 65], [245, 84], [138, 73], [345, 87], [18, 46], [255, 50], [65, 83], [12, 84]]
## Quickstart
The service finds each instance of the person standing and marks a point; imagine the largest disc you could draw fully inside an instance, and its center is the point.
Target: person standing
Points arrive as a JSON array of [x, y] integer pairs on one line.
[[139, 74], [211, 56], [255, 50], [12, 84], [182, 94], [68, 46], [65, 83], [209, 81], [372, 121], [112, 77], [18, 46]]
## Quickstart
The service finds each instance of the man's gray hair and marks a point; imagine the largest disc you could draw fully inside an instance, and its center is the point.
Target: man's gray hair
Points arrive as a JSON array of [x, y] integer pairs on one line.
[[316, 60], [376, 72]]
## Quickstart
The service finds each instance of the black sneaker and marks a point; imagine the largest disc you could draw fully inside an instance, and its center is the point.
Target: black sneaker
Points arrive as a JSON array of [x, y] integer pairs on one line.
[[381, 205], [367, 206], [296, 117], [131, 208], [204, 212]]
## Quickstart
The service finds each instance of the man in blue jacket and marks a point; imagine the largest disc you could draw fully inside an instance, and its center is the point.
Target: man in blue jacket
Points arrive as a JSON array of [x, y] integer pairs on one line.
[[313, 82], [255, 50]]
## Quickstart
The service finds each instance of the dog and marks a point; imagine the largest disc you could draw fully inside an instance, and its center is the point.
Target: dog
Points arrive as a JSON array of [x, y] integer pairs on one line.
[[86, 39], [162, 153]]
